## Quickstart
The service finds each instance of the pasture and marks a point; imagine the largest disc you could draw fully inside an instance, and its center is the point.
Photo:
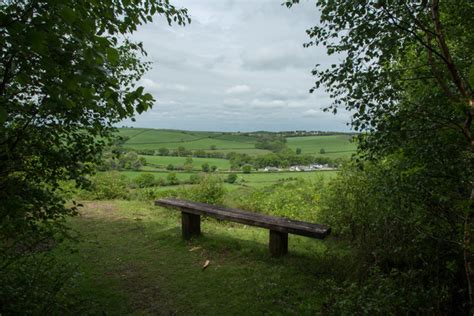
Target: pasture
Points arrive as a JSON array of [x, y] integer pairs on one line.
[[335, 146], [140, 138]]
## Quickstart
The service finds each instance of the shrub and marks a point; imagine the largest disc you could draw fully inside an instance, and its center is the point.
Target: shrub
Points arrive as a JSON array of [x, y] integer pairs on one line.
[[107, 186], [172, 179], [170, 167], [145, 180], [194, 178], [231, 178], [209, 190], [205, 167], [391, 213], [299, 200], [247, 169]]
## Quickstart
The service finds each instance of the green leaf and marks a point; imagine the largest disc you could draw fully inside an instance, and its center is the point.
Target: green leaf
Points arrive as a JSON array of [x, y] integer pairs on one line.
[[36, 41], [113, 56], [3, 114], [68, 14]]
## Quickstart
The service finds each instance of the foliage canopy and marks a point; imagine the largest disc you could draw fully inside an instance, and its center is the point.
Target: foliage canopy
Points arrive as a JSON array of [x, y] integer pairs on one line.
[[68, 72]]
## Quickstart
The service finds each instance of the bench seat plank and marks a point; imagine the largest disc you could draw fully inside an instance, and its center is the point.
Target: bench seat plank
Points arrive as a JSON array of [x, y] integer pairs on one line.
[[274, 223]]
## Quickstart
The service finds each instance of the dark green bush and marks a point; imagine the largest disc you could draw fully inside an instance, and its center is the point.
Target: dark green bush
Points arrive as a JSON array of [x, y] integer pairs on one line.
[[231, 178]]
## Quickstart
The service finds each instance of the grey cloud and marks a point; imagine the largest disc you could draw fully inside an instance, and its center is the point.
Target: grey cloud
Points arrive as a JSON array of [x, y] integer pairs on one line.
[[239, 65]]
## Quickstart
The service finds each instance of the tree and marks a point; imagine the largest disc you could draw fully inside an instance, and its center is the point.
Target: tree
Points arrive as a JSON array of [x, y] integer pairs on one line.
[[231, 178], [298, 151], [145, 180], [163, 151], [322, 151], [407, 73], [68, 73], [188, 164], [172, 178], [205, 167], [247, 169]]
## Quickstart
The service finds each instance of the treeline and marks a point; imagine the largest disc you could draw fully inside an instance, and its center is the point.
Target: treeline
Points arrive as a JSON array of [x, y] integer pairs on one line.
[[272, 142], [120, 160], [283, 159], [296, 133], [181, 151]]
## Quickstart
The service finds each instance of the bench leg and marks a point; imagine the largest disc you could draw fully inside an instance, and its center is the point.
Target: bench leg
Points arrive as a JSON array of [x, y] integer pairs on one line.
[[191, 225], [278, 243]]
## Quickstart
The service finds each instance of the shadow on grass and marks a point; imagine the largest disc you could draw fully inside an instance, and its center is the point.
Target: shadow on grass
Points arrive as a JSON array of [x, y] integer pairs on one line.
[[141, 265]]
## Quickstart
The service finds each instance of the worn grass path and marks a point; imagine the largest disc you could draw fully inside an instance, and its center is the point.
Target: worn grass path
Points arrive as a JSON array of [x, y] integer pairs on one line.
[[132, 261]]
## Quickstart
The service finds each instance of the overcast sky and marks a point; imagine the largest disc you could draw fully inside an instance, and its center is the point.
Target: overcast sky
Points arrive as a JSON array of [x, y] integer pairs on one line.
[[239, 66]]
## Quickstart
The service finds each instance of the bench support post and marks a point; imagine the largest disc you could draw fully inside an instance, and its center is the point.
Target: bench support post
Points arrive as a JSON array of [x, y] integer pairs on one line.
[[278, 243], [190, 225]]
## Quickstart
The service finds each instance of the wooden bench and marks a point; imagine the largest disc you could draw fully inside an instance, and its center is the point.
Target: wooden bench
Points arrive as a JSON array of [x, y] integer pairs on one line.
[[279, 227]]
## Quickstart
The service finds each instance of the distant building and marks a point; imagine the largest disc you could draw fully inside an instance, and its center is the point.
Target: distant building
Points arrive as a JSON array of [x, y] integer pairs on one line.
[[268, 169]]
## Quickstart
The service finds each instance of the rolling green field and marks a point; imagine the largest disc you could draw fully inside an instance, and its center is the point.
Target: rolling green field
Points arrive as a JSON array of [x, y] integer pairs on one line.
[[142, 138], [334, 145]]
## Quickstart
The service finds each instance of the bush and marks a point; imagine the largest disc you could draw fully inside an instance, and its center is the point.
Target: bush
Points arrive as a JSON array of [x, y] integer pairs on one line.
[[231, 178], [205, 167], [172, 179], [107, 186], [209, 190], [145, 180], [392, 214], [194, 178], [247, 169], [170, 167], [299, 200], [36, 285]]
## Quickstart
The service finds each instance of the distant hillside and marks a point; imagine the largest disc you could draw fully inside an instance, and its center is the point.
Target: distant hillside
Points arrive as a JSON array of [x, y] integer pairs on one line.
[[333, 145]]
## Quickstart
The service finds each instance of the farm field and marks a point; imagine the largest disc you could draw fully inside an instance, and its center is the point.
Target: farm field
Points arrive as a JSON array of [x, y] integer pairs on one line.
[[193, 140], [335, 146]]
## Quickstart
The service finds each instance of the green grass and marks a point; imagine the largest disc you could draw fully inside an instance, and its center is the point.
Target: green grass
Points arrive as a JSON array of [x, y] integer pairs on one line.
[[153, 139], [335, 145], [132, 260], [259, 180], [163, 161], [191, 140], [256, 180]]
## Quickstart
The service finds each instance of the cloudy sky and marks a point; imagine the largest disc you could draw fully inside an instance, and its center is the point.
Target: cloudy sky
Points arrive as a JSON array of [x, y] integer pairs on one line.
[[239, 66]]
